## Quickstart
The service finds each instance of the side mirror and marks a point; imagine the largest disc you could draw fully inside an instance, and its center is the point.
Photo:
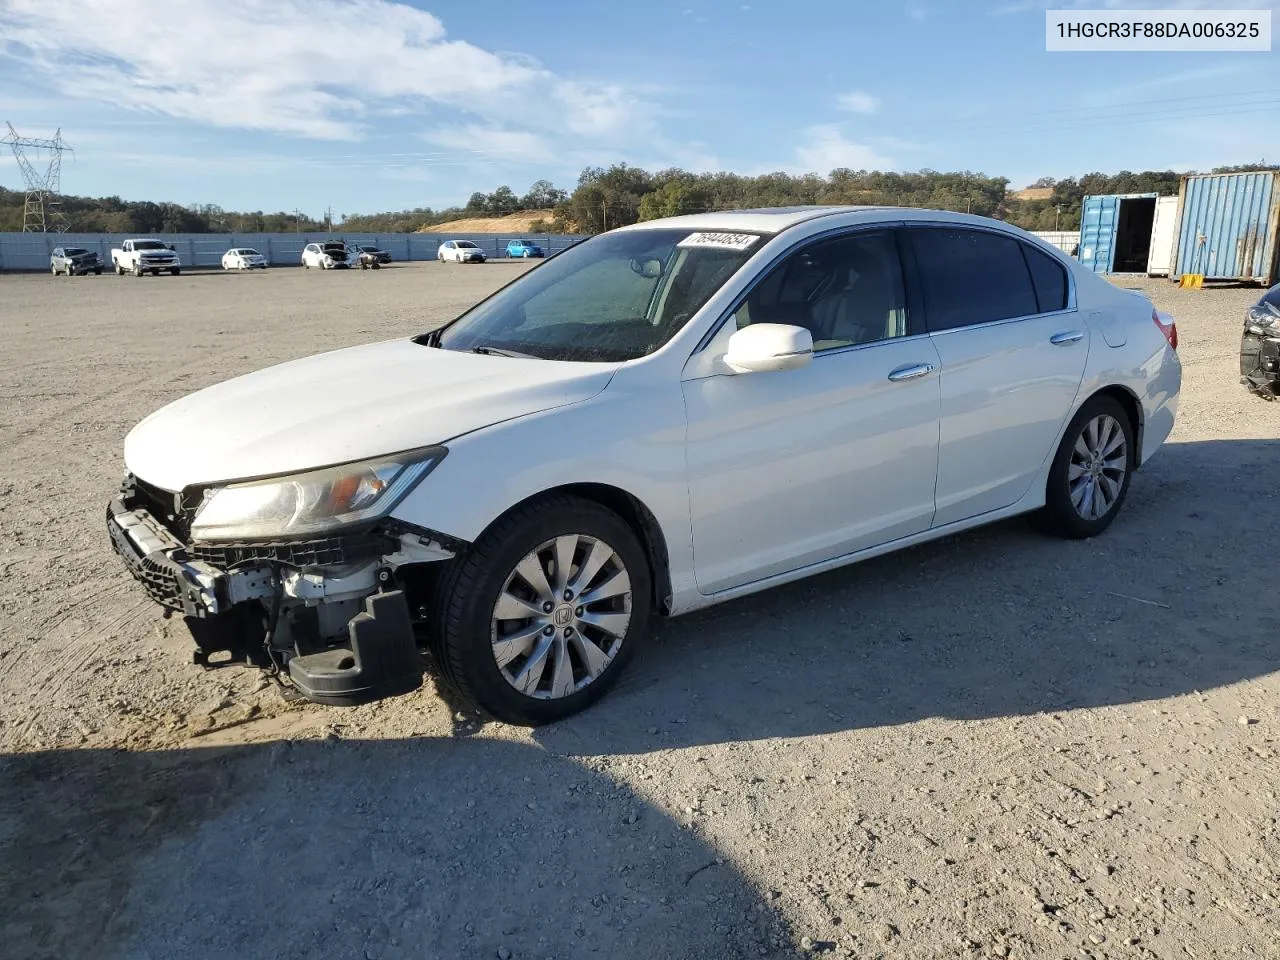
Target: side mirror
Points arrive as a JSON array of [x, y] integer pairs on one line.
[[763, 347], [649, 269]]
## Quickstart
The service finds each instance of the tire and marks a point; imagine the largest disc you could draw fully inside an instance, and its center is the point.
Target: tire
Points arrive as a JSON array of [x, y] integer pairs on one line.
[[1095, 429], [54, 270], [463, 631], [97, 271], [137, 271], [175, 272], [119, 270]]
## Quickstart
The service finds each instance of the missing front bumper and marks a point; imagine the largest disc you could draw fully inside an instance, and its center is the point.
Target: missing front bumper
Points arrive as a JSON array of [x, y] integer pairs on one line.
[[343, 632]]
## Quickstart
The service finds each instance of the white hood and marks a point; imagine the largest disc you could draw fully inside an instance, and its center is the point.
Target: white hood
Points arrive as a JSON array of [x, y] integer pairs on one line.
[[345, 405]]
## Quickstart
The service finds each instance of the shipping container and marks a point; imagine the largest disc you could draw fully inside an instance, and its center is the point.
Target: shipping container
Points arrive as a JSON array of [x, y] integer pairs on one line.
[[1163, 233], [1115, 232], [1227, 226]]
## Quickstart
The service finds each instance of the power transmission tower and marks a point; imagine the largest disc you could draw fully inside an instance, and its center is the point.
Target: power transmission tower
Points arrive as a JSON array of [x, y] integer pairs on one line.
[[42, 211]]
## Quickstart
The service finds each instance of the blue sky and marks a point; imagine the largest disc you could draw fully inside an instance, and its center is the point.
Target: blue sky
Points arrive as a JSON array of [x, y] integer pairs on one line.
[[368, 105]]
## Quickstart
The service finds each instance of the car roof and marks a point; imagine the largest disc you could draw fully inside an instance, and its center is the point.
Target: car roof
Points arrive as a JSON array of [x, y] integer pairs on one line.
[[777, 219]]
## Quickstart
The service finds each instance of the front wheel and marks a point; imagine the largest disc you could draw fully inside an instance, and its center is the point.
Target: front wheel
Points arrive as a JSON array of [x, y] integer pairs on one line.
[[119, 270], [53, 269], [1090, 474], [176, 271], [537, 619], [97, 271]]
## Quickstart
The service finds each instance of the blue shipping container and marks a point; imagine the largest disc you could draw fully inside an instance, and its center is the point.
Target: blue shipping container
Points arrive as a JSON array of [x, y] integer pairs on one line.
[[1115, 232], [1228, 225]]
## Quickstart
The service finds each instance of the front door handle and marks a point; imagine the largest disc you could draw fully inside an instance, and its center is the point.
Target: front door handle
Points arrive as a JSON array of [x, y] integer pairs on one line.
[[911, 372], [1067, 336]]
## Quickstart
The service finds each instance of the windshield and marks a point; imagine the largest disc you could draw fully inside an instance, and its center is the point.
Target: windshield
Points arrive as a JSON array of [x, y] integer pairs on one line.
[[74, 251], [248, 253], [149, 245], [465, 243], [615, 297]]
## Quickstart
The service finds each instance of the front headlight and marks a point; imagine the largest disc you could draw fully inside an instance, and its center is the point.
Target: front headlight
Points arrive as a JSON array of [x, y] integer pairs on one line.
[[314, 502]]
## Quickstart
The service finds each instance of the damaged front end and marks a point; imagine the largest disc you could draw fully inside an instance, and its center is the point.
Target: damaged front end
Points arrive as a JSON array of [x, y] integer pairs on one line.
[[330, 611]]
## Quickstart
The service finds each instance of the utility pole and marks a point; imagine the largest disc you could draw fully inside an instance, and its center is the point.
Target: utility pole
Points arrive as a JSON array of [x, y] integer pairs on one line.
[[41, 211], [1057, 215], [297, 220]]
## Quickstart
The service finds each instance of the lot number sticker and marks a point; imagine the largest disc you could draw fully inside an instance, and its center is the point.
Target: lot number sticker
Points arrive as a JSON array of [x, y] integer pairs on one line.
[[724, 241]]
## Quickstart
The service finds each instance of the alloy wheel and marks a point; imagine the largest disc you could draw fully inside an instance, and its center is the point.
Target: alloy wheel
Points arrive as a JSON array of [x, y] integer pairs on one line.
[[1097, 468], [561, 616]]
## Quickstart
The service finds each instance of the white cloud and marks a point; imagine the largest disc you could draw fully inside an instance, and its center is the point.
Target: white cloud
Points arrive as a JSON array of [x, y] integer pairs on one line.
[[825, 148], [322, 69], [494, 143], [917, 12], [855, 101]]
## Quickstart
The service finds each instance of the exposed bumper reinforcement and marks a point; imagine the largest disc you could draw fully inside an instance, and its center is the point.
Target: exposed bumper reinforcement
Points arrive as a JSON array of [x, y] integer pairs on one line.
[[382, 661]]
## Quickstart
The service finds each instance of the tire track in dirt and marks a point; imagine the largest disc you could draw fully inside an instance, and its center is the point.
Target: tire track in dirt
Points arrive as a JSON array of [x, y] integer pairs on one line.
[[70, 659]]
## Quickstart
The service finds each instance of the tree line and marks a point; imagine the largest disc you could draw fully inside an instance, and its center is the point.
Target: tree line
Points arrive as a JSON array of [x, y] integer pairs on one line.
[[604, 198]]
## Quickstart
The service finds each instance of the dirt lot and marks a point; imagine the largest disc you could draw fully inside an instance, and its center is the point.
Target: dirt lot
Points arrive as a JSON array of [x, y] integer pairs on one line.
[[995, 746]]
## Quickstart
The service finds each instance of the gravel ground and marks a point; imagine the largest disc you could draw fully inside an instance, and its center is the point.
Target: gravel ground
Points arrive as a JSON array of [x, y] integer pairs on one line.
[[997, 745]]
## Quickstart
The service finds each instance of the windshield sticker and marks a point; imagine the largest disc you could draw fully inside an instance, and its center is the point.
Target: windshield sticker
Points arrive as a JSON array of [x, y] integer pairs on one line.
[[724, 241]]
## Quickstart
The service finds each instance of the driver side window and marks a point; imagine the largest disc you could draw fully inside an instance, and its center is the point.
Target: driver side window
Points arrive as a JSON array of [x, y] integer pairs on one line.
[[845, 291]]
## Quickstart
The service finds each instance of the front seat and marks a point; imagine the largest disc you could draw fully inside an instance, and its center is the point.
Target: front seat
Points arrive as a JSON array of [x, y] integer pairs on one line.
[[858, 308]]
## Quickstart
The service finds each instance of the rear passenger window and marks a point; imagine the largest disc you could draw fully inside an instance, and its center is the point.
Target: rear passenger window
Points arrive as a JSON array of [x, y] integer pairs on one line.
[[1049, 278], [971, 276]]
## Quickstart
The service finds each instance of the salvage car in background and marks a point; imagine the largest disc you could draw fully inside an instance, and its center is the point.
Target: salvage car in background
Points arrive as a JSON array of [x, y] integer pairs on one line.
[[370, 255], [329, 255], [658, 419], [74, 261], [243, 258], [1260, 346], [459, 251], [523, 248]]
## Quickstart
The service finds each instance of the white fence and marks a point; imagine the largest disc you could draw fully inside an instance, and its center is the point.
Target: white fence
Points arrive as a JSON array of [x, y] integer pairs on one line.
[[30, 251], [1064, 240]]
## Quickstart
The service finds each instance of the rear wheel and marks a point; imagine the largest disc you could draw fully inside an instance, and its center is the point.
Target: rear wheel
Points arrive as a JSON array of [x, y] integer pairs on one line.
[[119, 270], [1090, 475], [97, 271], [176, 271], [53, 269], [537, 619]]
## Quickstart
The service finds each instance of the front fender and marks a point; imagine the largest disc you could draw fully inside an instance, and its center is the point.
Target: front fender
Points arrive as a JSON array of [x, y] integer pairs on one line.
[[632, 440]]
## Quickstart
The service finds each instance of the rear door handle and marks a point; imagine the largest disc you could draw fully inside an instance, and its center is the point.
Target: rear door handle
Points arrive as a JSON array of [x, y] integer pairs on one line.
[[911, 372], [1067, 336]]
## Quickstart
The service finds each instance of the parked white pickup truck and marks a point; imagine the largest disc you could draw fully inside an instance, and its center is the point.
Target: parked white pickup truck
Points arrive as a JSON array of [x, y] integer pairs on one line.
[[145, 256]]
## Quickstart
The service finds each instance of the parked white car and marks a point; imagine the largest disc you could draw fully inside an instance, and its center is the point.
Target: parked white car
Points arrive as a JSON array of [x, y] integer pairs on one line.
[[459, 251], [661, 418], [243, 258], [328, 255]]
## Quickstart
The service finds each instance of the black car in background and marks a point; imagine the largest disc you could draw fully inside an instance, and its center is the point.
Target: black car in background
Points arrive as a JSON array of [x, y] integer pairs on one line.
[[1260, 346], [74, 261]]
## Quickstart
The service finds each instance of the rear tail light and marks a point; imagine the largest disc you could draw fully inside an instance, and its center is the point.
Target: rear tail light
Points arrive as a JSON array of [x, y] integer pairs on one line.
[[1169, 328]]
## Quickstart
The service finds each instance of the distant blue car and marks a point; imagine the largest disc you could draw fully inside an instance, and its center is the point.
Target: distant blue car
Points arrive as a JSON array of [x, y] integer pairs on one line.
[[523, 248]]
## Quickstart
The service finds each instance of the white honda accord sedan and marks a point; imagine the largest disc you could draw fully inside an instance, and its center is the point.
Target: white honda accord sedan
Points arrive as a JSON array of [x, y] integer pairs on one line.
[[661, 418]]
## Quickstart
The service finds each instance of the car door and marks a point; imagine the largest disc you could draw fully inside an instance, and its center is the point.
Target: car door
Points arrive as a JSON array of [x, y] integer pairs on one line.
[[791, 468], [1013, 348]]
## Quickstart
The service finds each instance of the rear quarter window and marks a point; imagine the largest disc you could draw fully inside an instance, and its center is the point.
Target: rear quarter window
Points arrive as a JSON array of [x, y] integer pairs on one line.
[[1049, 278]]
